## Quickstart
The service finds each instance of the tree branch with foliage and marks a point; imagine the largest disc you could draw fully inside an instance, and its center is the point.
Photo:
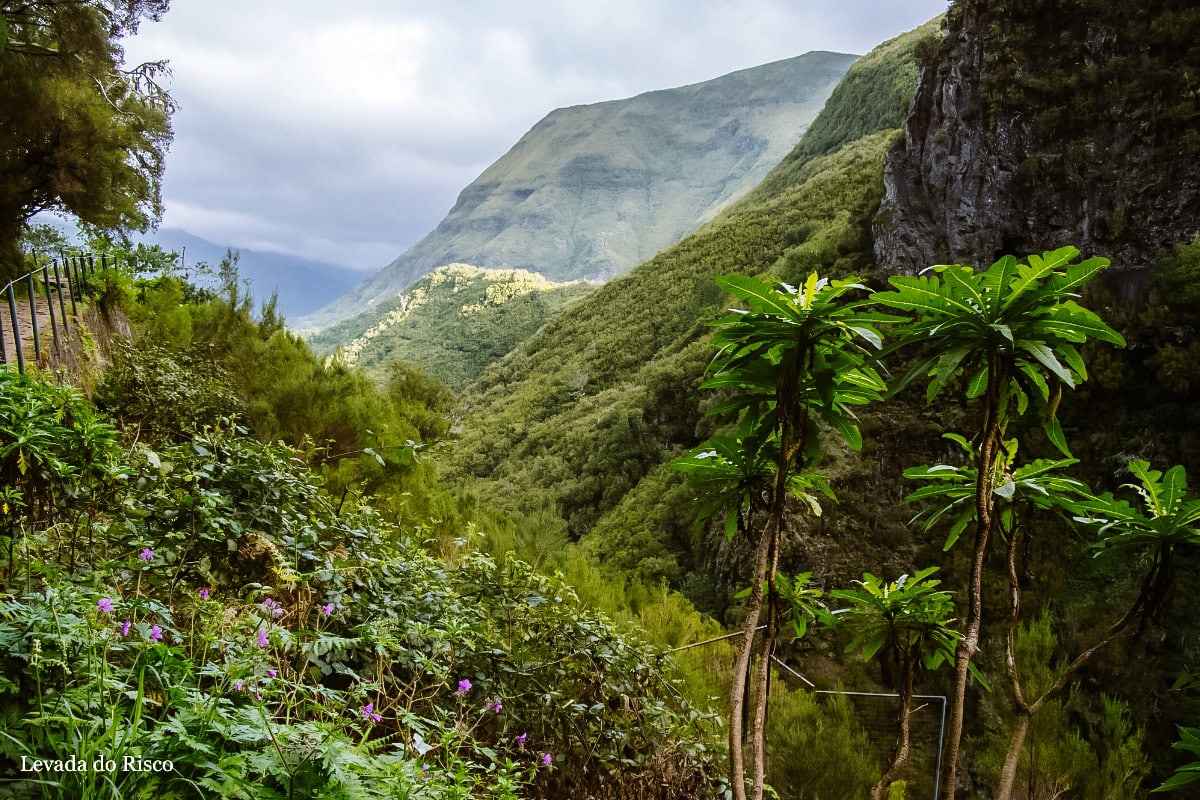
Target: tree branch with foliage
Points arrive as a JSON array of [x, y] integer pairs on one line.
[[794, 359], [907, 623], [78, 131], [1013, 333]]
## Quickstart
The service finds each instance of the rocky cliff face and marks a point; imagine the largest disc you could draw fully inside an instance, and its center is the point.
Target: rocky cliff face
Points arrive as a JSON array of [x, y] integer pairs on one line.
[[1033, 128], [591, 191]]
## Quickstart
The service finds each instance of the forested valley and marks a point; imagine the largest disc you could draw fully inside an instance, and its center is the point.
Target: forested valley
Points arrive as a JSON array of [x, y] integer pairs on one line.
[[876, 485]]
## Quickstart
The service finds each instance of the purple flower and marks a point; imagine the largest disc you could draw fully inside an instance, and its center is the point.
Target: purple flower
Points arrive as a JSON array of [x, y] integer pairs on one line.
[[146, 555], [368, 712], [327, 609], [277, 611], [263, 641], [425, 768], [521, 739], [237, 686], [204, 594], [156, 633], [546, 759], [271, 673], [496, 707], [125, 628], [105, 604], [464, 686]]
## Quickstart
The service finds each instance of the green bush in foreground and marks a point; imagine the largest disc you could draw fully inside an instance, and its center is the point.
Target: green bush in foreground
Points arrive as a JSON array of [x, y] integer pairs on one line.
[[209, 604]]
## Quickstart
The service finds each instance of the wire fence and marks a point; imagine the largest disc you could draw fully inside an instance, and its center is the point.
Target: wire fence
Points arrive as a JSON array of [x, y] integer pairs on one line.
[[877, 714], [67, 278]]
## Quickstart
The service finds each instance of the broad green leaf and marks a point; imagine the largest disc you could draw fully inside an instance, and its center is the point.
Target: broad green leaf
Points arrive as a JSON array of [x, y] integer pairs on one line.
[[1054, 433], [1036, 379], [1077, 274], [963, 279], [1174, 488], [995, 282], [987, 687], [959, 526], [872, 645], [754, 291], [870, 335], [1045, 356], [1028, 277], [978, 384]]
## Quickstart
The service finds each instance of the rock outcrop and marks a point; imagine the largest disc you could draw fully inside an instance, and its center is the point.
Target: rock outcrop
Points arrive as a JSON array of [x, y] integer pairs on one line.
[[1090, 141]]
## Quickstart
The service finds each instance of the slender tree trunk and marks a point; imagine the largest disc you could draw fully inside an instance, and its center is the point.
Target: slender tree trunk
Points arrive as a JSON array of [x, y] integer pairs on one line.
[[762, 678], [984, 506], [741, 667], [766, 560], [1026, 710], [1008, 774], [903, 743]]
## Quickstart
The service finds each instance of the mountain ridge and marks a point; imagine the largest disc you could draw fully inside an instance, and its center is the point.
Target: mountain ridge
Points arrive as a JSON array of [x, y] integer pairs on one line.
[[592, 190]]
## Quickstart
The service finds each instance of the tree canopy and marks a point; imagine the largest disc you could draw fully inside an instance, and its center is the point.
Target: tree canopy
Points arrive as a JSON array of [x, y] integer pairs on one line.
[[78, 131]]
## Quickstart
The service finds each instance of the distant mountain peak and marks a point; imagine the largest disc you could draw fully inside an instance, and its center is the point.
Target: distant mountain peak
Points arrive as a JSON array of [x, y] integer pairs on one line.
[[592, 190]]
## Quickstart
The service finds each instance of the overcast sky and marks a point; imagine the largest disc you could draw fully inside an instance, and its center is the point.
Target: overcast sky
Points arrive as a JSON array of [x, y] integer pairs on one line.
[[344, 130]]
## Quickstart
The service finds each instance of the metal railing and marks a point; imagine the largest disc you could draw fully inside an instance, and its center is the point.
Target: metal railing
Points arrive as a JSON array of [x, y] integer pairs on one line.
[[75, 273]]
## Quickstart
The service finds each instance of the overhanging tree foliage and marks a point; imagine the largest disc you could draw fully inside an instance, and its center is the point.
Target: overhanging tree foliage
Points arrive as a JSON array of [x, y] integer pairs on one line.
[[78, 131]]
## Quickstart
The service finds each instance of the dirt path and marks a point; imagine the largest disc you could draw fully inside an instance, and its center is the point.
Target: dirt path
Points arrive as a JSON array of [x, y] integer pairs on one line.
[[44, 317]]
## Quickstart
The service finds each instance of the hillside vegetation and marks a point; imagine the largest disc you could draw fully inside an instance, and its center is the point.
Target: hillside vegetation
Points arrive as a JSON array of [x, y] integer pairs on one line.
[[451, 323], [241, 619]]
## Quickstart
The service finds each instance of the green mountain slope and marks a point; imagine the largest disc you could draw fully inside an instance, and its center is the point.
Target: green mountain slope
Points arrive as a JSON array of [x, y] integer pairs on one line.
[[592, 190], [454, 321], [583, 417]]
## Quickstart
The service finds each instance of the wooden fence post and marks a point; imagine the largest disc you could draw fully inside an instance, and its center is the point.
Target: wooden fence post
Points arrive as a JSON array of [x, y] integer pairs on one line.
[[62, 304], [50, 306], [33, 320], [16, 326]]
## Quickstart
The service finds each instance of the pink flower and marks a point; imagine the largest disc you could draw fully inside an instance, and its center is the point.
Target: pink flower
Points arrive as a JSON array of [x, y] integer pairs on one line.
[[237, 686], [156, 633], [425, 768], [368, 712], [546, 759], [327, 609], [105, 604], [204, 594], [271, 673], [146, 555], [521, 739], [464, 686], [125, 628], [263, 641], [495, 707]]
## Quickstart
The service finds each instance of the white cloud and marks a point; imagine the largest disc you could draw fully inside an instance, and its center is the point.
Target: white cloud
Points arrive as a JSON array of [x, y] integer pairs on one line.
[[345, 131]]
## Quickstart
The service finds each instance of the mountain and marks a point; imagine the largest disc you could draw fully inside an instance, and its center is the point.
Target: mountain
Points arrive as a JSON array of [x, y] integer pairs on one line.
[[590, 191], [302, 283], [454, 321], [583, 417]]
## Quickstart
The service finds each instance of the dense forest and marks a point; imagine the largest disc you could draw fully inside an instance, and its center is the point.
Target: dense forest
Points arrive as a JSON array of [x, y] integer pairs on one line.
[[775, 514]]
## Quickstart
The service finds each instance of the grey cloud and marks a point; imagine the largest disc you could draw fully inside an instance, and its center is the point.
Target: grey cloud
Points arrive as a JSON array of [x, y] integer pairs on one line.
[[344, 132]]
